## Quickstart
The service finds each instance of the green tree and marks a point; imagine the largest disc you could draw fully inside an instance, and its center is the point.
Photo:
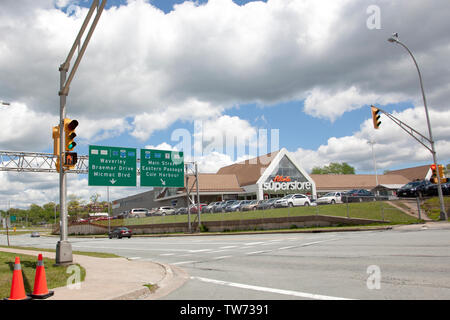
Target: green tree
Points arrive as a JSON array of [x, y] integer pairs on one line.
[[334, 168]]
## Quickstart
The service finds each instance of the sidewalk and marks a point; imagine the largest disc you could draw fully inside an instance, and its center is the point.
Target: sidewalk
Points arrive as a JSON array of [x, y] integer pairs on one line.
[[117, 278]]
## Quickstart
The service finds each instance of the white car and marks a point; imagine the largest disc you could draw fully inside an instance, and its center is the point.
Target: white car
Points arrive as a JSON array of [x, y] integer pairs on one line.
[[293, 200], [330, 198], [165, 210], [138, 213]]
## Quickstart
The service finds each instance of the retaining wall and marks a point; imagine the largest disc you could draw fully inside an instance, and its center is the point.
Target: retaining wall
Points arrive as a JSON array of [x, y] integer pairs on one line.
[[227, 225]]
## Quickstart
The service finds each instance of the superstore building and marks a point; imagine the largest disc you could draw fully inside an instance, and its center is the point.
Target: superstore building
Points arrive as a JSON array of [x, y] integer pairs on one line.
[[273, 175]]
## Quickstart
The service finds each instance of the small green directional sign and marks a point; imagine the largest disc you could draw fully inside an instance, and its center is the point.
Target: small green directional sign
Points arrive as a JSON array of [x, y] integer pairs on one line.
[[162, 168], [112, 166]]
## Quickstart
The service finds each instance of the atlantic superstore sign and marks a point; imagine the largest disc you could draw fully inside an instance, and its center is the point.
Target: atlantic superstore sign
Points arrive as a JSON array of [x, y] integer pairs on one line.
[[285, 183]]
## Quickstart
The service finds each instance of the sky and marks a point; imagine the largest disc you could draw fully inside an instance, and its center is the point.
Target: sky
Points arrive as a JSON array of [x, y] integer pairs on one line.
[[224, 80]]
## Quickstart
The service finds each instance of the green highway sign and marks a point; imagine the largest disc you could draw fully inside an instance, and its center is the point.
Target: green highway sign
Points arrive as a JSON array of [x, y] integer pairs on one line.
[[161, 168], [112, 166]]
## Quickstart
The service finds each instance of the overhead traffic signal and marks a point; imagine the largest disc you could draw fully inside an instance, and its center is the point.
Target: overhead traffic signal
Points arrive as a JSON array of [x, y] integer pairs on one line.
[[433, 173], [376, 117], [442, 173], [56, 139], [70, 158]]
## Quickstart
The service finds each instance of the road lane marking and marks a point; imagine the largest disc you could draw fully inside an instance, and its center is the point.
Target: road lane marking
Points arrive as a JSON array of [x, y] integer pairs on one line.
[[217, 251], [252, 243], [199, 250], [183, 262], [222, 257], [255, 252], [228, 247], [270, 290], [134, 258], [286, 247], [167, 254]]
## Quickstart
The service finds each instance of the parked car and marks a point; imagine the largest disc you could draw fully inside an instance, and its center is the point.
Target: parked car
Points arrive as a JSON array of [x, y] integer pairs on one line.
[[209, 207], [432, 190], [123, 215], [413, 189], [35, 234], [358, 195], [193, 208], [120, 233], [267, 204], [221, 207], [162, 211], [251, 205], [330, 198], [181, 210], [236, 206], [138, 213], [151, 212], [292, 200]]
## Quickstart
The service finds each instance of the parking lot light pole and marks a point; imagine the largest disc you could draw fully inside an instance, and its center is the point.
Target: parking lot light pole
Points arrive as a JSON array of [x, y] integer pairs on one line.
[[443, 214]]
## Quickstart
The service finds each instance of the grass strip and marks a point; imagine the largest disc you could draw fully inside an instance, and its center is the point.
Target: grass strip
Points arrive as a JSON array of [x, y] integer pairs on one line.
[[84, 253]]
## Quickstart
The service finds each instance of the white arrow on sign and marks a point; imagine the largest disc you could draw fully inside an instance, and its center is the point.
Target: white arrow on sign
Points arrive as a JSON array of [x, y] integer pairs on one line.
[[112, 181], [163, 182]]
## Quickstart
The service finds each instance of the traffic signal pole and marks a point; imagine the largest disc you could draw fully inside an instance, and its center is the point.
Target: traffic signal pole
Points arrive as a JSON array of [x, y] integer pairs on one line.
[[63, 247]]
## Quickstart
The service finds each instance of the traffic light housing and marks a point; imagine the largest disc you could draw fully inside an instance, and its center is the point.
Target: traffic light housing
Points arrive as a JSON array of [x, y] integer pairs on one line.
[[70, 158], [433, 173], [376, 117], [442, 173], [56, 140], [69, 132]]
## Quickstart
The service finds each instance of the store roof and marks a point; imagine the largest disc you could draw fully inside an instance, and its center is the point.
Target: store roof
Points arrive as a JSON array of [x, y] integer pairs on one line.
[[249, 171], [211, 182], [415, 173], [354, 181]]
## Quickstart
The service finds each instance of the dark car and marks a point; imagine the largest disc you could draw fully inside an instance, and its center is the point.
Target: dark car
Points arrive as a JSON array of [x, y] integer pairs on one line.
[[358, 195], [221, 207], [413, 189], [431, 190], [267, 204], [181, 210], [120, 233]]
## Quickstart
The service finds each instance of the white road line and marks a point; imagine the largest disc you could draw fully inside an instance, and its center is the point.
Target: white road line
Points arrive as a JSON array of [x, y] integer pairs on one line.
[[199, 250], [316, 242], [183, 262], [252, 243], [228, 247], [167, 254], [222, 257], [286, 247], [217, 251], [134, 258], [271, 290], [255, 252]]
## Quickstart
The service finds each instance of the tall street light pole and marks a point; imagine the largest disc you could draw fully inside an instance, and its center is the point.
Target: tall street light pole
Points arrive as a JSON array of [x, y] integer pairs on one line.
[[374, 161], [443, 214]]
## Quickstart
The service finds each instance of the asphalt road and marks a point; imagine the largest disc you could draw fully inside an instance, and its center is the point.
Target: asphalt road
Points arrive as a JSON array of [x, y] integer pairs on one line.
[[392, 264]]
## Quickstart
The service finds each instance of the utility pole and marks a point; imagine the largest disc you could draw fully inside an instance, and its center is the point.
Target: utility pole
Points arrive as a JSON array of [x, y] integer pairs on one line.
[[198, 194], [443, 213], [63, 247]]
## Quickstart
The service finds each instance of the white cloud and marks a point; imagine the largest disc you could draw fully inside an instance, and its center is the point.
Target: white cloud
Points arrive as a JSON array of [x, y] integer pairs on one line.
[[24, 129], [322, 104]]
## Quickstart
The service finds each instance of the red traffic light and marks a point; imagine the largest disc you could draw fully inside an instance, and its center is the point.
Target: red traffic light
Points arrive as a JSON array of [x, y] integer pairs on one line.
[[433, 167]]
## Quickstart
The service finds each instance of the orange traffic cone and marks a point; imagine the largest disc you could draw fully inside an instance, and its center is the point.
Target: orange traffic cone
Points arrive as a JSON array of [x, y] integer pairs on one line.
[[40, 290], [17, 288]]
